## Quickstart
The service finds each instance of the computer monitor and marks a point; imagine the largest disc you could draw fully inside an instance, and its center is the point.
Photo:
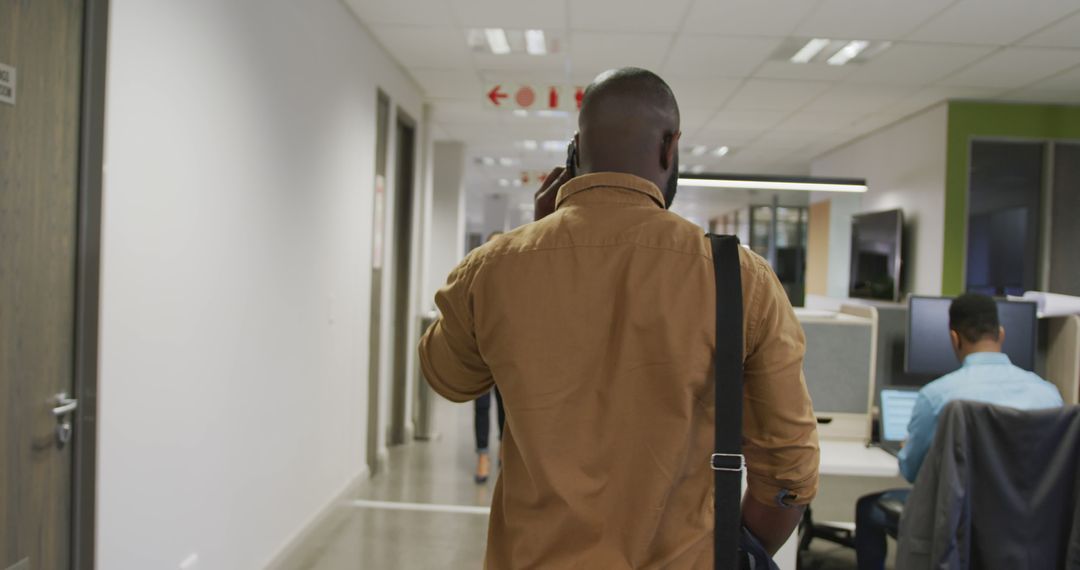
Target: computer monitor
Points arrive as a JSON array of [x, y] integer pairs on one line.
[[929, 348]]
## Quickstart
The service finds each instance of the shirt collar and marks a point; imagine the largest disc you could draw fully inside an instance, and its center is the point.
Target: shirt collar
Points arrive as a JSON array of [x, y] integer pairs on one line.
[[618, 180], [976, 358]]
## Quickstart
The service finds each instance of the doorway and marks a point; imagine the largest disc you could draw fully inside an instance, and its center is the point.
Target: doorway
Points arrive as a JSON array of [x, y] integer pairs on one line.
[[404, 175], [382, 140], [52, 87]]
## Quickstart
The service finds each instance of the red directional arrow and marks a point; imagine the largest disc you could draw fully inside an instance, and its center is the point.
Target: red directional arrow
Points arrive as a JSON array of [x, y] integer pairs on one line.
[[496, 96]]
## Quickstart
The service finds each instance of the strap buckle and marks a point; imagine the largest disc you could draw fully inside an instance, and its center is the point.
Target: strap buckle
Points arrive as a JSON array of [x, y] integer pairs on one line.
[[732, 462]]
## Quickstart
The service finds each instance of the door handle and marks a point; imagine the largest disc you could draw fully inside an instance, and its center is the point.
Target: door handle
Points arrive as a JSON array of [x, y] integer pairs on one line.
[[62, 410], [64, 405]]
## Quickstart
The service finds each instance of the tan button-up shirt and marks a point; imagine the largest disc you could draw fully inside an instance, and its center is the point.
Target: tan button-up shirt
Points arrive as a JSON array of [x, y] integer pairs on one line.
[[597, 324]]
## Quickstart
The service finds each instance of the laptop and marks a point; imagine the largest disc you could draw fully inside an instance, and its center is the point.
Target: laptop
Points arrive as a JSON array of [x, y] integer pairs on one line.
[[897, 405]]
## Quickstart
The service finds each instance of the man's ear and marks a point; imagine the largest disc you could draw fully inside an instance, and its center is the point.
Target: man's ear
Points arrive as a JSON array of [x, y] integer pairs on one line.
[[955, 338], [669, 150], [1001, 335]]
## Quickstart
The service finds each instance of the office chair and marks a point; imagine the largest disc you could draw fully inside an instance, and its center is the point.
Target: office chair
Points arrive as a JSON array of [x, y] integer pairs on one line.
[[999, 489]]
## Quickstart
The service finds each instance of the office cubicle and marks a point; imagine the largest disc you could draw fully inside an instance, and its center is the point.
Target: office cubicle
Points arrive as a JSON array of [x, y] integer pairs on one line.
[[840, 366]]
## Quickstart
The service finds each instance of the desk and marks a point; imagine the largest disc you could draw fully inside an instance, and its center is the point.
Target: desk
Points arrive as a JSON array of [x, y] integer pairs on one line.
[[854, 459]]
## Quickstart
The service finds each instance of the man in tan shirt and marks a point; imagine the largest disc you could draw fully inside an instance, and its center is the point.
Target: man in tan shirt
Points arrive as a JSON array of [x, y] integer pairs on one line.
[[597, 323]]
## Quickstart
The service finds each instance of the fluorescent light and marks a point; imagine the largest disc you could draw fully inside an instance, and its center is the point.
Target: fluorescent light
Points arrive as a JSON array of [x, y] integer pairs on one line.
[[507, 161], [488, 161], [721, 151], [521, 113], [697, 169], [554, 146], [529, 145], [848, 52], [682, 168], [810, 50], [504, 182], [497, 41], [772, 185], [699, 150], [516, 182], [535, 42]]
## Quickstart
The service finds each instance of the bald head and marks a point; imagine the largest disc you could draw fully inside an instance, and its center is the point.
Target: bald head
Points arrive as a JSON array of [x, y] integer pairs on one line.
[[629, 122]]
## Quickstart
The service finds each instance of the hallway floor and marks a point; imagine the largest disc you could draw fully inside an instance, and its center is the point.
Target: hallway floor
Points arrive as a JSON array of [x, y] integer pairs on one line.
[[438, 474]]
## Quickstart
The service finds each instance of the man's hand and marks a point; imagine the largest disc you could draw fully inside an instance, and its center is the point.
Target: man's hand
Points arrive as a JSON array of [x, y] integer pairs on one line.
[[544, 198]]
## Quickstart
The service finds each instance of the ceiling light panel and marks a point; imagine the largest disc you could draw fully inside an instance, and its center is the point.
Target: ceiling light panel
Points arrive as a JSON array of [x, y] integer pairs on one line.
[[809, 51], [497, 41], [849, 52], [535, 42]]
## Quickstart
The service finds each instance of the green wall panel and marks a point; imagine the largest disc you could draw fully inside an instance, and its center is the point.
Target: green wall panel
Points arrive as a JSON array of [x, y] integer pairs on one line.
[[972, 120]]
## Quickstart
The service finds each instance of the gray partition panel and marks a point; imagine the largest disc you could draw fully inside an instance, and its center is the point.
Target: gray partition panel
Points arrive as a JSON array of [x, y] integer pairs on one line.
[[837, 365]]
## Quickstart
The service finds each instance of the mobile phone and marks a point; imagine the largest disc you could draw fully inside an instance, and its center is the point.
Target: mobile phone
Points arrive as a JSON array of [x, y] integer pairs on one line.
[[571, 158]]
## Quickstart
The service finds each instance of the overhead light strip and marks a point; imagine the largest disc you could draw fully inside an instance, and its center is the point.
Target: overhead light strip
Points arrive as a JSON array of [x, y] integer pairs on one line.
[[848, 52], [810, 50], [496, 38], [771, 185], [535, 42]]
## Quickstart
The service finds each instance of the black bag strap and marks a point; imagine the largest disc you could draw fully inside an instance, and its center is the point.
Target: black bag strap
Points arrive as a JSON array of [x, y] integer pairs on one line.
[[727, 462]]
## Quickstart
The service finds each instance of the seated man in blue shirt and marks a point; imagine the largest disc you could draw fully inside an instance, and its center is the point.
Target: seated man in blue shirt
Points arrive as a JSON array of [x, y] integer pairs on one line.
[[987, 375]]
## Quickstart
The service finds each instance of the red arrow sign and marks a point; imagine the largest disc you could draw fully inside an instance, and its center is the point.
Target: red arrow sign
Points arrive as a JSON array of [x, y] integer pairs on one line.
[[496, 96]]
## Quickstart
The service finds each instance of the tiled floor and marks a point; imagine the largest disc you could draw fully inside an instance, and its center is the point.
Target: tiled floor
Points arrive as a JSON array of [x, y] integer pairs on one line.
[[440, 472]]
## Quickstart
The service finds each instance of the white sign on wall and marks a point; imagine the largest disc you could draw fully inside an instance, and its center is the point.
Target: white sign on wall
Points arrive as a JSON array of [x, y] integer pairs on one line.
[[7, 84]]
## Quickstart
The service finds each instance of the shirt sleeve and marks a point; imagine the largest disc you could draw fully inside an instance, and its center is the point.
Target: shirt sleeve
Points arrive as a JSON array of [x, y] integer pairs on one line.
[[779, 428], [921, 430], [449, 354]]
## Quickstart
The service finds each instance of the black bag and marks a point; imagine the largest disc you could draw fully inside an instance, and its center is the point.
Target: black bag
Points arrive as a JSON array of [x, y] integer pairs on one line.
[[734, 546]]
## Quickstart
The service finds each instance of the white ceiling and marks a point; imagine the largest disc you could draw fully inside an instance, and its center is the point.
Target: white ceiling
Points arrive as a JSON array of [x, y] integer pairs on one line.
[[721, 59]]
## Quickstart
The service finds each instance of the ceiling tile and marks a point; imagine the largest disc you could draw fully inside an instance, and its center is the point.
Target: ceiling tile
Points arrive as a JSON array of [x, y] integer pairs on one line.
[[806, 71], [1068, 81], [714, 56], [820, 123], [708, 93], [445, 84], [1036, 95], [745, 120], [916, 64], [868, 19], [856, 98], [775, 94], [774, 18], [1065, 33], [930, 96], [521, 63], [438, 48], [722, 136], [510, 14], [592, 52], [626, 15], [1015, 67], [405, 12], [997, 22], [692, 119]]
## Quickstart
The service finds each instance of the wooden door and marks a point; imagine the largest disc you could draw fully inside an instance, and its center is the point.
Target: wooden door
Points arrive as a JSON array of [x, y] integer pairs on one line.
[[39, 155]]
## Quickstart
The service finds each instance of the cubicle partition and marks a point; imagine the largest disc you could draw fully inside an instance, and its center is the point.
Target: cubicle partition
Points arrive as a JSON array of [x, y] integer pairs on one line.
[[1062, 355], [840, 366]]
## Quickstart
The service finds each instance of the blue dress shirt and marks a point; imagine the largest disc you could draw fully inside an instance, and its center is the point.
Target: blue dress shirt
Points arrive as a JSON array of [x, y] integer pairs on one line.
[[985, 377]]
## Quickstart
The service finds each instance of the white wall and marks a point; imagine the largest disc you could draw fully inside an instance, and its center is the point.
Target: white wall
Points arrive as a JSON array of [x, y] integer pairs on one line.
[[904, 165], [235, 274], [447, 225]]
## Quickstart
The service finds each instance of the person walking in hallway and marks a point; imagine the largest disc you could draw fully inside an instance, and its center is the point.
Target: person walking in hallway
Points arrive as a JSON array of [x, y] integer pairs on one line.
[[596, 322]]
